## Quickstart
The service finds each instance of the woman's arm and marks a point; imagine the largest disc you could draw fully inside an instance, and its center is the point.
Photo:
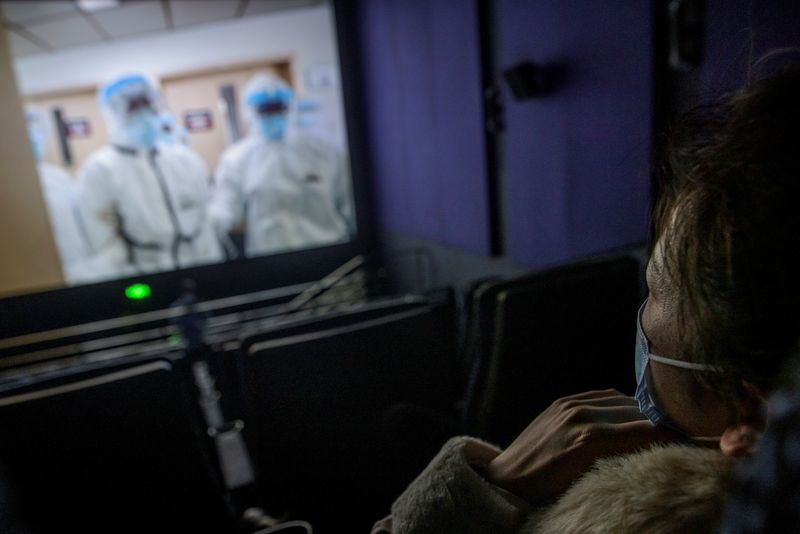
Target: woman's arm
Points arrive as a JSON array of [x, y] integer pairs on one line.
[[473, 487]]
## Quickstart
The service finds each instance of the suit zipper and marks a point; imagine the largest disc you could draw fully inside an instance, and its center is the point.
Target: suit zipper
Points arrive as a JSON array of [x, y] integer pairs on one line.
[[170, 207]]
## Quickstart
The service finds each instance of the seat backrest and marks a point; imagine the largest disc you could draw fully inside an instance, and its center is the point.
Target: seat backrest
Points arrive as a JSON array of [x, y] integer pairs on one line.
[[311, 321], [109, 452], [316, 403], [225, 359], [551, 334]]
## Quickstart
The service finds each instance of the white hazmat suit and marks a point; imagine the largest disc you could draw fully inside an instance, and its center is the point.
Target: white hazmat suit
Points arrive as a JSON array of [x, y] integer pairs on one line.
[[292, 191], [59, 192], [145, 204]]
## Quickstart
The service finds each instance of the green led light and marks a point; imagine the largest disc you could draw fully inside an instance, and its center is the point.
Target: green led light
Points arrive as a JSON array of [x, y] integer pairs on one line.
[[137, 291]]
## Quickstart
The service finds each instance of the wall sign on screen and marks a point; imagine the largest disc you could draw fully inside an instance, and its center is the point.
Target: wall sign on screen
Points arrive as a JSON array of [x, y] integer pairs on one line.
[[198, 120], [78, 128]]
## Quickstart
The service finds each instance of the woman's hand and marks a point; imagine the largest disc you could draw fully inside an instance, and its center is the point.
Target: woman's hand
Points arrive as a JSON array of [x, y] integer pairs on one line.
[[567, 438]]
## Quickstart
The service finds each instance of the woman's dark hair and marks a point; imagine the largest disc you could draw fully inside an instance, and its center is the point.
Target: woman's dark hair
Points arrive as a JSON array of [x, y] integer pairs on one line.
[[728, 219]]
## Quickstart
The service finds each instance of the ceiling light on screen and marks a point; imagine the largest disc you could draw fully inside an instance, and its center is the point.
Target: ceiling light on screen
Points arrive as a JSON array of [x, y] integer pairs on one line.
[[96, 5]]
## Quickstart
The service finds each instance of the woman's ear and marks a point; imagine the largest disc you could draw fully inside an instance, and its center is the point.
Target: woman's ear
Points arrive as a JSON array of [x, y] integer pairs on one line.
[[740, 438]]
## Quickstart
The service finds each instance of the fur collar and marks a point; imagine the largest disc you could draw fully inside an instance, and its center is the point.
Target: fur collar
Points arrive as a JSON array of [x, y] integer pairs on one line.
[[673, 488]]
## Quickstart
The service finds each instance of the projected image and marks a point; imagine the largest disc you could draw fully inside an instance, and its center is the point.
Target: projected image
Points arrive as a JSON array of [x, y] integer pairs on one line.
[[176, 134]]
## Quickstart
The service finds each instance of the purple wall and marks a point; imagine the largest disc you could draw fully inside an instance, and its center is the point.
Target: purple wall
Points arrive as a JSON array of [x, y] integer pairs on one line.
[[422, 84], [577, 177]]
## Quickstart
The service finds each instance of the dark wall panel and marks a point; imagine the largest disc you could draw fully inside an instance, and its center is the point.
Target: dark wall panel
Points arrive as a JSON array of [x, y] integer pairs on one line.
[[738, 32]]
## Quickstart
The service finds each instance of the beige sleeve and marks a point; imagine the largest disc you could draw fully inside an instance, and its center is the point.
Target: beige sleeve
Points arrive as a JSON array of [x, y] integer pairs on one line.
[[449, 496]]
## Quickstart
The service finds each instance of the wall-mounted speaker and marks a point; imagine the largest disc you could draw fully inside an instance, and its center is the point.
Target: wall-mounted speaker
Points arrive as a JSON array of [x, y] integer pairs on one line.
[[526, 80]]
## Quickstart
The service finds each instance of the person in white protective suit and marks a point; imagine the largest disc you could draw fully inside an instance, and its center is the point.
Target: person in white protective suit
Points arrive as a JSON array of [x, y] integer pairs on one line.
[[292, 191], [145, 203], [59, 192]]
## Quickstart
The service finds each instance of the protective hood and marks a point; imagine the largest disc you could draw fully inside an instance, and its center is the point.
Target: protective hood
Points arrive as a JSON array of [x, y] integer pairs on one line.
[[268, 90], [136, 129]]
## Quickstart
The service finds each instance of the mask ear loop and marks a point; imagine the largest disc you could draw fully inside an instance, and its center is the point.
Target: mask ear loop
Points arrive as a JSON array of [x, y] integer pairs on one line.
[[680, 363], [692, 366]]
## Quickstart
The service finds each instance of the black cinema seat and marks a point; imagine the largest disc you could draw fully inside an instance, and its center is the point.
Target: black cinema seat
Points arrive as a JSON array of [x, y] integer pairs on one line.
[[542, 336], [225, 359], [109, 452], [323, 408]]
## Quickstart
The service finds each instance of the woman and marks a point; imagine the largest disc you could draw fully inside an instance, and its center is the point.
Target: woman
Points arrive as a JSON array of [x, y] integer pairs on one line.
[[719, 320]]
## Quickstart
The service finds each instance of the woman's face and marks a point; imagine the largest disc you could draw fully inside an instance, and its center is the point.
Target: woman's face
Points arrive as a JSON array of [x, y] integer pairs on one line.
[[690, 405]]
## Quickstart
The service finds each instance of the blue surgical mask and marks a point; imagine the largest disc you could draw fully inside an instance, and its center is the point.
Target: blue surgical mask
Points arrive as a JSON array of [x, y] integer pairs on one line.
[[274, 127], [142, 129], [37, 142], [308, 112], [647, 405]]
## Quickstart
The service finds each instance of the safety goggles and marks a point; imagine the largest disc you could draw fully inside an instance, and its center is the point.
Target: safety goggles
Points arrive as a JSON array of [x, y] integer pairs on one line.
[[139, 102], [272, 107]]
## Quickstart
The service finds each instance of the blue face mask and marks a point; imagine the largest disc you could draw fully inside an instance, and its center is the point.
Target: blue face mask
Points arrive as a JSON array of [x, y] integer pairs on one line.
[[38, 146], [143, 129], [307, 114], [647, 404], [274, 127]]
